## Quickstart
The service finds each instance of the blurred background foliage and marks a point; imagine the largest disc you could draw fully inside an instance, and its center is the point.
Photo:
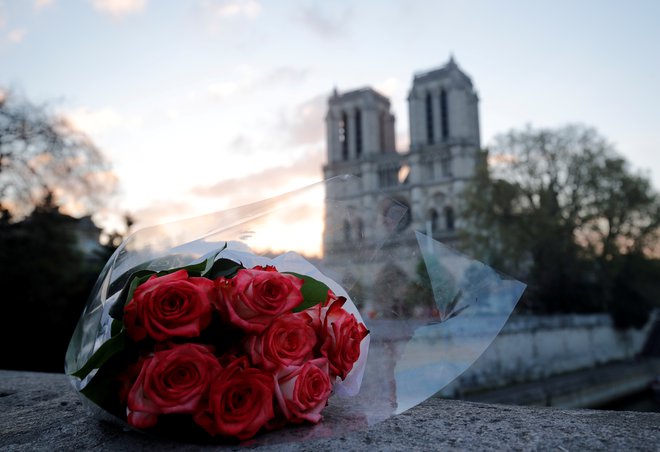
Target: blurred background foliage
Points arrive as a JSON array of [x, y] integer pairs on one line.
[[46, 278], [49, 260], [561, 210]]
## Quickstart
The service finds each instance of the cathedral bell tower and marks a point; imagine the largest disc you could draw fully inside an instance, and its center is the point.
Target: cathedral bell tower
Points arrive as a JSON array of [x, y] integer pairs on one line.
[[427, 179], [359, 125], [443, 108], [360, 132]]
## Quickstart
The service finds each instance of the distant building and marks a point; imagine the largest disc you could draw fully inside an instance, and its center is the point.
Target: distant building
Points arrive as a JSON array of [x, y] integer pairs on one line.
[[427, 179]]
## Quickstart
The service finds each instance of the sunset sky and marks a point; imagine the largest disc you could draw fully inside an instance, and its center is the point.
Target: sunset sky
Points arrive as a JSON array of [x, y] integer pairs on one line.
[[205, 105]]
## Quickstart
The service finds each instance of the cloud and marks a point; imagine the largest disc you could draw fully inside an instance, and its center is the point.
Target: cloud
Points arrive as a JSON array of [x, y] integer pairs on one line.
[[250, 80], [241, 144], [160, 212], [40, 4], [326, 22], [246, 76], [284, 75], [300, 227], [233, 8], [99, 121], [16, 36], [230, 17], [119, 8], [389, 87], [223, 89], [305, 125], [266, 183]]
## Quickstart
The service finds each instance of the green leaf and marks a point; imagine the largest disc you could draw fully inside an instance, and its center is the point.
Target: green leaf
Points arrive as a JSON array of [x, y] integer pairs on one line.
[[313, 292], [116, 327], [106, 351], [223, 268], [117, 310], [200, 268], [103, 387], [98, 389], [137, 281]]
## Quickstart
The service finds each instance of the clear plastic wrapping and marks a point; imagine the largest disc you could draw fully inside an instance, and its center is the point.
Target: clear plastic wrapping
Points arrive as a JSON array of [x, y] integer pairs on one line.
[[430, 311]]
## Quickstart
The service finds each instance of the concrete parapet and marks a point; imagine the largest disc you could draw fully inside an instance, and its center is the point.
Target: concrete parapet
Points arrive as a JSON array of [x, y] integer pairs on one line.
[[42, 412]]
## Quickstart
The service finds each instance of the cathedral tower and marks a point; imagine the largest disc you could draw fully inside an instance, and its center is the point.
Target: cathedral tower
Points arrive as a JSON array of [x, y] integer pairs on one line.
[[444, 146], [443, 108], [427, 179], [359, 124]]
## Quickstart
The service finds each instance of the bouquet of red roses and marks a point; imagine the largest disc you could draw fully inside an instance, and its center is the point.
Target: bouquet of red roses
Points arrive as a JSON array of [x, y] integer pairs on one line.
[[218, 347], [189, 334]]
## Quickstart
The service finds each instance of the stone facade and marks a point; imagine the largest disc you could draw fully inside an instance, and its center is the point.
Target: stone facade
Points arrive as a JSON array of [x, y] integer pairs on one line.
[[426, 179]]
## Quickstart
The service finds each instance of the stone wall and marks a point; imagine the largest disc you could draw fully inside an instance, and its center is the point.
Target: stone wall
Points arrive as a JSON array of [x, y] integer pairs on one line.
[[531, 348]]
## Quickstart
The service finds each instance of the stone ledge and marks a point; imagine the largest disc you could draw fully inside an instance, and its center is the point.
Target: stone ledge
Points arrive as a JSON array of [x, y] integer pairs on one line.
[[42, 412]]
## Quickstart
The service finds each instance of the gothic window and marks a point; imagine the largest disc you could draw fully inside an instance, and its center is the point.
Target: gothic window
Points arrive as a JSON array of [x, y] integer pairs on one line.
[[429, 118], [343, 136], [359, 229], [358, 133], [347, 231], [444, 115], [433, 220], [449, 218], [388, 176]]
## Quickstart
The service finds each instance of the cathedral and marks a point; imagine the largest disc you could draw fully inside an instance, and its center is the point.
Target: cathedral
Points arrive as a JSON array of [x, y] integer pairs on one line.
[[425, 181]]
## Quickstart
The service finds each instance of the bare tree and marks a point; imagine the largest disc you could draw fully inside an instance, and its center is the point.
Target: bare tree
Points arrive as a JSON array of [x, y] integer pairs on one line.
[[41, 154]]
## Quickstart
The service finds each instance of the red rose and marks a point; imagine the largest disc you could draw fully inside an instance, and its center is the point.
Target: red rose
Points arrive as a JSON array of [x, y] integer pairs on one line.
[[174, 380], [170, 306], [304, 393], [288, 341], [340, 334], [127, 379], [251, 299], [240, 402], [318, 311]]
